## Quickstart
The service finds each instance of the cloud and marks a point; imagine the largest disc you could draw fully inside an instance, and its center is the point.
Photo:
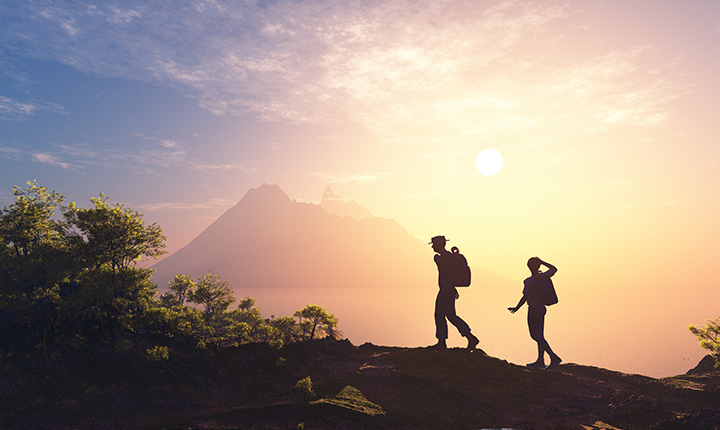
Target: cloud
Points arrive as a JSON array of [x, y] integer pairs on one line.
[[184, 206], [350, 177], [50, 159], [160, 154], [13, 110], [436, 70], [247, 167], [626, 206]]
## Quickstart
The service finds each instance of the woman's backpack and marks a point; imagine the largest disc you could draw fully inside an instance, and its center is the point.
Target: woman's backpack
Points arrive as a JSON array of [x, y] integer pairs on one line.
[[545, 290]]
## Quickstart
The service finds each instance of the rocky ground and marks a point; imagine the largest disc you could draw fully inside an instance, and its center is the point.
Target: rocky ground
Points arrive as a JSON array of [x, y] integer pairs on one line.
[[253, 387]]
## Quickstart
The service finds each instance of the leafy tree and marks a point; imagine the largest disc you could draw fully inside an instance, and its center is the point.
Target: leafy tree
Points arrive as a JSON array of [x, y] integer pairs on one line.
[[253, 319], [213, 293], [287, 329], [709, 337], [246, 304], [316, 316], [115, 235], [28, 223], [35, 253], [182, 286], [35, 261], [68, 283], [269, 334]]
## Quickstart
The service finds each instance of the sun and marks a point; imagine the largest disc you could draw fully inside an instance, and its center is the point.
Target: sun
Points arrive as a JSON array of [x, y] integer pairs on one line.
[[489, 162]]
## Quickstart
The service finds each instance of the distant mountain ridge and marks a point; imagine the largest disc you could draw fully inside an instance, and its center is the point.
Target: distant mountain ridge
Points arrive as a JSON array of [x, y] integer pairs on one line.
[[268, 240], [334, 204]]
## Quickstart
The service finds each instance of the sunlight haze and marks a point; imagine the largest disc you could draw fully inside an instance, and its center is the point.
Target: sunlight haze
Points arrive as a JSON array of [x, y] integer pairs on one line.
[[605, 114]]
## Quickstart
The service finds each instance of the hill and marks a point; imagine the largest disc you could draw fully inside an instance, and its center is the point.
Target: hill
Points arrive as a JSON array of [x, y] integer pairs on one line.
[[367, 386]]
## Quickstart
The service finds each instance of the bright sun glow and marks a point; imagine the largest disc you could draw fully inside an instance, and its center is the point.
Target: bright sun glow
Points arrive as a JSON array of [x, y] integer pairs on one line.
[[489, 162]]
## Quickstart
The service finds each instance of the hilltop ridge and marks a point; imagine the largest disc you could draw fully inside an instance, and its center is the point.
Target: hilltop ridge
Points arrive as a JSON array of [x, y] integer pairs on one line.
[[368, 386]]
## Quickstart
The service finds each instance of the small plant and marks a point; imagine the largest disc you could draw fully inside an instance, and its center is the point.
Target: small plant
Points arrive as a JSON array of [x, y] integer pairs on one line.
[[709, 337], [305, 388], [157, 353]]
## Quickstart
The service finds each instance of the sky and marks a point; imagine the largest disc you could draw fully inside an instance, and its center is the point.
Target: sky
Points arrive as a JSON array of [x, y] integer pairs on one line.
[[605, 113]]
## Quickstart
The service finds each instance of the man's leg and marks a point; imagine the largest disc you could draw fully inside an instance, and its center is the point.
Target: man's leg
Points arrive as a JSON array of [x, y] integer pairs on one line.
[[461, 325], [441, 328]]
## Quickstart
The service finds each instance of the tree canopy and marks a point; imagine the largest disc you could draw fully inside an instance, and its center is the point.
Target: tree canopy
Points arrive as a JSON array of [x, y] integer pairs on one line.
[[71, 289]]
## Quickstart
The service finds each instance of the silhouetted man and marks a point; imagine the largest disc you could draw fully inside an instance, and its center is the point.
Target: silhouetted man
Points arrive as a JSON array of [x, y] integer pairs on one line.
[[536, 312], [445, 302]]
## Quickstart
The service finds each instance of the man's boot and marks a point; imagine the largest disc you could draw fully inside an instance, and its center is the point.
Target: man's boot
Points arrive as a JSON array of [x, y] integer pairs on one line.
[[472, 341], [439, 345]]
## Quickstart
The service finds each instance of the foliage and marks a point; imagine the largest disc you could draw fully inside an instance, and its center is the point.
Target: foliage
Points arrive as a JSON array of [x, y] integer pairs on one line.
[[69, 285], [114, 235], [246, 304], [158, 353], [709, 336], [313, 316], [305, 388], [213, 293], [71, 291], [182, 286]]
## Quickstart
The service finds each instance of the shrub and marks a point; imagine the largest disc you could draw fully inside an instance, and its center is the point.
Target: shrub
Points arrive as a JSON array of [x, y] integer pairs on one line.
[[709, 337]]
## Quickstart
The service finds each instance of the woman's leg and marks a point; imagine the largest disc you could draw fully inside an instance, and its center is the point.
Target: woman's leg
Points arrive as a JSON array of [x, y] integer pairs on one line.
[[536, 324]]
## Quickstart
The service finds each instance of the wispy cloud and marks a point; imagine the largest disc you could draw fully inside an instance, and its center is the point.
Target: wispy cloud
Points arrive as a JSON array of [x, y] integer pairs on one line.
[[160, 154], [184, 206], [638, 205], [13, 110], [244, 167], [350, 177], [427, 69], [50, 159]]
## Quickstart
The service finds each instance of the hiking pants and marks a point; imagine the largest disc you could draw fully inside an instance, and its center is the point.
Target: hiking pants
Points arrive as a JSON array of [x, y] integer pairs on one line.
[[445, 311]]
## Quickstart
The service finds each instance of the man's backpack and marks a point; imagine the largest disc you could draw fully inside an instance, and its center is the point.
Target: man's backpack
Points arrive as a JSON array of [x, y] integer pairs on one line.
[[545, 290], [461, 268]]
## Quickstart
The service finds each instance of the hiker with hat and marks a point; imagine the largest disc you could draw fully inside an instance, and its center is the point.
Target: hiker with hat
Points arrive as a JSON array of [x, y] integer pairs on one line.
[[445, 302]]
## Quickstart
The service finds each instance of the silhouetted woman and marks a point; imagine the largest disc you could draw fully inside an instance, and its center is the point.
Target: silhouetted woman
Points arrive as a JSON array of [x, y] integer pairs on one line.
[[536, 312]]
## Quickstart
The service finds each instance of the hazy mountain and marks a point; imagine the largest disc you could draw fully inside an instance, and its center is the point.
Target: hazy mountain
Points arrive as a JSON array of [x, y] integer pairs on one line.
[[334, 204], [268, 241], [371, 273]]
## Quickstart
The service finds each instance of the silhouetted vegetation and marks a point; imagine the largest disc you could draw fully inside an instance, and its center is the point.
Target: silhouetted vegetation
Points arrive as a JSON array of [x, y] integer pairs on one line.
[[709, 336], [71, 292]]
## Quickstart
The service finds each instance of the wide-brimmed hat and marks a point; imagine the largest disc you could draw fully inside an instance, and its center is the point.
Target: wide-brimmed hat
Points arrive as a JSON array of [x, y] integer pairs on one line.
[[438, 239]]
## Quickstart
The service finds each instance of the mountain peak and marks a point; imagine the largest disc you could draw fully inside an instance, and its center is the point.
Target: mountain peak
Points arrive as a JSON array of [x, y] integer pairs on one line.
[[334, 204], [266, 194], [329, 195]]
